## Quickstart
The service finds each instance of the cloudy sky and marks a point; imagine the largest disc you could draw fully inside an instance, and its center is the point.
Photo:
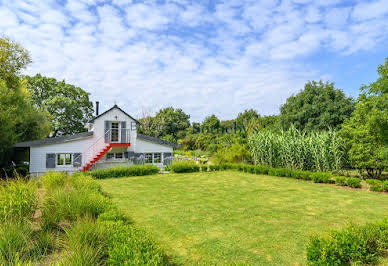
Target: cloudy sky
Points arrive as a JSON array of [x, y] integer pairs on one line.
[[205, 57]]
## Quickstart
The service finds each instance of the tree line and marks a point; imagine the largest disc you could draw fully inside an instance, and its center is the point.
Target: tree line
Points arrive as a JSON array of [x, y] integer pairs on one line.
[[35, 107]]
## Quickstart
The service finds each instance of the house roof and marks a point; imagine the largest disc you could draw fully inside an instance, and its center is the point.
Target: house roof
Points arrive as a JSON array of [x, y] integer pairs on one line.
[[157, 140], [54, 140], [114, 106]]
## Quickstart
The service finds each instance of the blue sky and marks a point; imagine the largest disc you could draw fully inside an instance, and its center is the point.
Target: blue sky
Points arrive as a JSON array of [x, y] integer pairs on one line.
[[205, 57]]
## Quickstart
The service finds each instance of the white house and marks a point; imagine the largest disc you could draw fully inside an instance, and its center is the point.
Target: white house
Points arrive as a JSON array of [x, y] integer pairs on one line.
[[111, 140]]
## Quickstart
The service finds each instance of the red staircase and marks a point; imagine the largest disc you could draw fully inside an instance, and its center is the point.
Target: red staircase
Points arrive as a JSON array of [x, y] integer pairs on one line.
[[102, 153]]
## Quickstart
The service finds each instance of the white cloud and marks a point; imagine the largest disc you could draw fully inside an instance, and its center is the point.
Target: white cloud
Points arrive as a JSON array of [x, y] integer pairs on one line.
[[224, 59]]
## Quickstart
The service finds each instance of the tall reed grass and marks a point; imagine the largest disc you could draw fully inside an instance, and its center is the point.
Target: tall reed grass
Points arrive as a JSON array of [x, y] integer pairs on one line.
[[295, 149]]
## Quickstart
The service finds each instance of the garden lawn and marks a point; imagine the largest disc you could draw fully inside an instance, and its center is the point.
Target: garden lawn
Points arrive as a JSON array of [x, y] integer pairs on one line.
[[233, 217]]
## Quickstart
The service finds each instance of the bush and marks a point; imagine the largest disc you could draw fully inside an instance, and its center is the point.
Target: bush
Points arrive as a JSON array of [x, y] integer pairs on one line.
[[353, 182], [321, 177], [183, 167], [131, 246], [121, 171], [70, 204], [17, 200], [261, 170], [214, 167], [53, 180], [113, 214], [83, 181], [385, 186], [297, 174], [353, 245], [375, 185], [306, 175], [280, 172], [341, 181]]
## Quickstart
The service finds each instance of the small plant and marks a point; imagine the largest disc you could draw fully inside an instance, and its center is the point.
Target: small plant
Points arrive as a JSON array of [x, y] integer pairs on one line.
[[184, 167], [340, 181], [214, 167], [298, 174], [375, 185], [122, 171], [353, 182], [321, 177], [385, 186]]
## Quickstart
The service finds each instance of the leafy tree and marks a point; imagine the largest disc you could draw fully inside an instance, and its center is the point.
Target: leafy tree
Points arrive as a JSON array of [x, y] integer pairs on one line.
[[318, 107], [19, 119], [210, 123], [366, 132], [69, 106], [246, 117]]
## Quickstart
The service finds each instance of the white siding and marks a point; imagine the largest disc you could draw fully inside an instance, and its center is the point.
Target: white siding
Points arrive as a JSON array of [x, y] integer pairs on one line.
[[143, 146], [38, 154]]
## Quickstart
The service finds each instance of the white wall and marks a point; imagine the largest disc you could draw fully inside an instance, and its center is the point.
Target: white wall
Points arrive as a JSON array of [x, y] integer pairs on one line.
[[38, 154], [143, 146]]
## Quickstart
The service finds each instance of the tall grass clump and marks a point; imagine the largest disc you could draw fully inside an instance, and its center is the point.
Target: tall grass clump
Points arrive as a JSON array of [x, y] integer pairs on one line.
[[122, 171], [18, 199], [53, 180], [299, 150]]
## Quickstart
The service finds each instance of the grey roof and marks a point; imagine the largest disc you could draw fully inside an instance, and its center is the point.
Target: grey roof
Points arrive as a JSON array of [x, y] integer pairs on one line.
[[54, 140], [114, 106], [157, 140]]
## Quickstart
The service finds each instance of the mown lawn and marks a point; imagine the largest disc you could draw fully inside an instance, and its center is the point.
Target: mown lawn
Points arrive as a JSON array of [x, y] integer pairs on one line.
[[233, 217]]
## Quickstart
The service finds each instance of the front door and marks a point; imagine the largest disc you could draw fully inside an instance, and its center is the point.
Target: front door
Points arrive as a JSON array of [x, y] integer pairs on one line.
[[114, 132]]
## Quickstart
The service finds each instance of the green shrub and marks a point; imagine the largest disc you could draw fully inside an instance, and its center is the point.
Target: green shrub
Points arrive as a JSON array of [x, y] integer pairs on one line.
[[121, 171], [17, 200], [298, 174], [375, 185], [53, 180], [353, 245], [341, 181], [131, 246], [306, 175], [280, 172], [353, 182], [261, 170], [227, 166], [83, 181], [385, 186], [214, 167], [321, 177], [86, 243], [70, 204], [113, 214], [184, 167]]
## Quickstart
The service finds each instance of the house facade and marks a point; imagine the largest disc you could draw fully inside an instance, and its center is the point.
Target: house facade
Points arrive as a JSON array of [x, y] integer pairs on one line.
[[111, 140]]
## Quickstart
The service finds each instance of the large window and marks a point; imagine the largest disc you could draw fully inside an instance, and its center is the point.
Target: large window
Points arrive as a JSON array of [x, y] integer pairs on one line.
[[157, 157], [116, 156], [148, 158], [114, 132], [64, 159]]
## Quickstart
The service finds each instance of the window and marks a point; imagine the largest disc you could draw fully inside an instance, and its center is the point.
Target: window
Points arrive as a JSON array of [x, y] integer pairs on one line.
[[115, 131], [148, 158], [64, 159], [109, 156], [157, 157], [119, 155]]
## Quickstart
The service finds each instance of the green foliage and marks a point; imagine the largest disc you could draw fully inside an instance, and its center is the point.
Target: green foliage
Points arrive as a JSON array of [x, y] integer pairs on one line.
[[18, 200], [86, 243], [340, 181], [385, 186], [353, 182], [19, 119], [183, 167], [318, 107], [131, 246], [366, 131], [353, 245], [53, 180], [375, 185], [69, 106], [280, 172], [321, 177], [294, 149], [236, 153], [210, 124], [214, 167], [121, 171]]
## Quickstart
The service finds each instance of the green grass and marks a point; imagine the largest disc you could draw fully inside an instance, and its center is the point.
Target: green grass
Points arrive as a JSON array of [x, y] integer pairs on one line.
[[233, 217]]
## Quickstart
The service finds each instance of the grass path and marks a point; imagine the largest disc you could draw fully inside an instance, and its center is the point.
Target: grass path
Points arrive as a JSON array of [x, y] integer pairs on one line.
[[233, 217]]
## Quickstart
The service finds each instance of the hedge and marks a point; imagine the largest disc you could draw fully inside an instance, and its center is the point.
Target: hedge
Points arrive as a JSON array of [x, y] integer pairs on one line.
[[183, 167], [121, 171]]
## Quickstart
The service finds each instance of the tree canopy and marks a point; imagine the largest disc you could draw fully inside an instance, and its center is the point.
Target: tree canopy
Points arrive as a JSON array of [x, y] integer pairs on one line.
[[318, 107], [69, 106], [366, 132]]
